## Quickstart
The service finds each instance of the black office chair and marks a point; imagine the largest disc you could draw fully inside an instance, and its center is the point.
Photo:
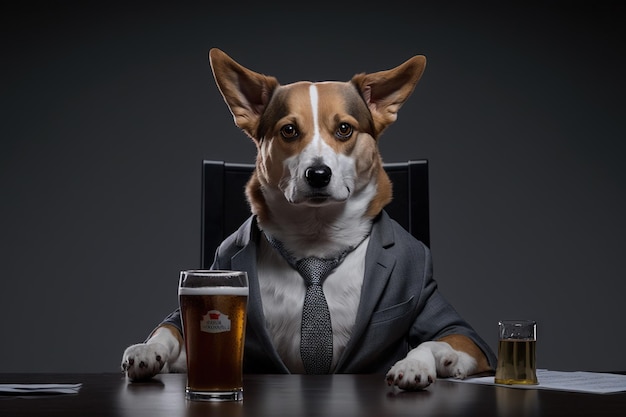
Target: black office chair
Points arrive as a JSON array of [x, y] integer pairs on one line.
[[224, 205]]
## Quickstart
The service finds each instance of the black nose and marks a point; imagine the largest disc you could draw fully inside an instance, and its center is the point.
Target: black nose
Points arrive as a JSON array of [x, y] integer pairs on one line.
[[318, 176]]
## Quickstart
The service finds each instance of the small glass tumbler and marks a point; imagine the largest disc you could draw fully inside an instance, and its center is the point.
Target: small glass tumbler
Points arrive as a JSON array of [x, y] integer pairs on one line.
[[516, 352]]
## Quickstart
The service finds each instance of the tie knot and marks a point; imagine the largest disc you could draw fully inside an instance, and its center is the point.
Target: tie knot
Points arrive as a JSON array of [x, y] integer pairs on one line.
[[314, 270]]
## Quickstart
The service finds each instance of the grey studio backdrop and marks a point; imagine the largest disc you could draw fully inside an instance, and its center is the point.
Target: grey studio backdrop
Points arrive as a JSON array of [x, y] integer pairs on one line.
[[107, 113]]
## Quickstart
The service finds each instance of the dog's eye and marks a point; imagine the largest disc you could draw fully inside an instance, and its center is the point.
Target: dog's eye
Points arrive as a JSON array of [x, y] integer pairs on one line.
[[289, 132], [344, 131]]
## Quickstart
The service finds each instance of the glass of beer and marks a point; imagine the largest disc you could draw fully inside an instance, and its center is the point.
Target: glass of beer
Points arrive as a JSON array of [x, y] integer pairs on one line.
[[516, 352], [213, 306]]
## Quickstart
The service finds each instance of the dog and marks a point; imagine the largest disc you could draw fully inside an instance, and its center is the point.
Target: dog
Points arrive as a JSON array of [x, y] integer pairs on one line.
[[319, 188]]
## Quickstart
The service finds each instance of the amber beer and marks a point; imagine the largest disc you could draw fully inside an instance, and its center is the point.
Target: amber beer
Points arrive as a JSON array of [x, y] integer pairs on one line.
[[516, 362], [516, 353], [213, 311]]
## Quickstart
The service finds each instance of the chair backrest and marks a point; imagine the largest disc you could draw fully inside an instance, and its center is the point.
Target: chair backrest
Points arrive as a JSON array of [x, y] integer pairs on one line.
[[224, 205]]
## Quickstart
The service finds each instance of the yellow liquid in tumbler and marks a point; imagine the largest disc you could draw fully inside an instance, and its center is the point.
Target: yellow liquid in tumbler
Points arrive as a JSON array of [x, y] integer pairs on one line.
[[516, 362]]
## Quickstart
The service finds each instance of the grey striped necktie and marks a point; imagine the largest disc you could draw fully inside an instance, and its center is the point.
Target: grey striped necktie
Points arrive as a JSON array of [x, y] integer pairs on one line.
[[316, 344]]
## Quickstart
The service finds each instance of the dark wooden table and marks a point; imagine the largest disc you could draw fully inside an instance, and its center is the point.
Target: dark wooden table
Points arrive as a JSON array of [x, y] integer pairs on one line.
[[299, 395]]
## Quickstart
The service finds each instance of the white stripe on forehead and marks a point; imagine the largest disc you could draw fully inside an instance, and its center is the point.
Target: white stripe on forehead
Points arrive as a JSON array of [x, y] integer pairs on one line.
[[314, 100]]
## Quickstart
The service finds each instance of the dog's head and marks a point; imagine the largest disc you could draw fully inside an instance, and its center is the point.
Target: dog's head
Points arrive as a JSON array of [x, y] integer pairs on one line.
[[317, 142]]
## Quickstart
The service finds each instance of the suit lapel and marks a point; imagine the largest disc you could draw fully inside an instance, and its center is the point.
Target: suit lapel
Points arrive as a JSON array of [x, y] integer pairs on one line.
[[245, 260], [378, 267]]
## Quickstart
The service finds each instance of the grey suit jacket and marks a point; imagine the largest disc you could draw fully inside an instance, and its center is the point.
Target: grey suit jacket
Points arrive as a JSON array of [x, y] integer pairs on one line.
[[400, 305]]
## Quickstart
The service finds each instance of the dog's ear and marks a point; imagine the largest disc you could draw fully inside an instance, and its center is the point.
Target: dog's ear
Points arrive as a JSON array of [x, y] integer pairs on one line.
[[386, 91], [246, 92]]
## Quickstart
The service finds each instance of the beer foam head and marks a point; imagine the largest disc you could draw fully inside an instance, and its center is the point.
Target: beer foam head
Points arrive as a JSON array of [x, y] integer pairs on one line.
[[213, 291], [213, 282]]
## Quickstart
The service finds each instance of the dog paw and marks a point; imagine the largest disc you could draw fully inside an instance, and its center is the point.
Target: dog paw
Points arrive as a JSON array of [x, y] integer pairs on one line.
[[143, 361], [453, 363], [412, 373]]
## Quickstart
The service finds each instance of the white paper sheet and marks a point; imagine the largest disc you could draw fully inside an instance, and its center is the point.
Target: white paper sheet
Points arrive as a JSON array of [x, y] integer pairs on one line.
[[23, 389], [577, 381]]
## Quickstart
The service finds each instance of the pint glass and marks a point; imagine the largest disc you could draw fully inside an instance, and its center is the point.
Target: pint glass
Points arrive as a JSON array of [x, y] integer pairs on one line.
[[213, 308]]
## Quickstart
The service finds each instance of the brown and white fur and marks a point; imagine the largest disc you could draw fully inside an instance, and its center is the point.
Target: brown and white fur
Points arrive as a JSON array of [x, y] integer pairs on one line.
[[318, 184]]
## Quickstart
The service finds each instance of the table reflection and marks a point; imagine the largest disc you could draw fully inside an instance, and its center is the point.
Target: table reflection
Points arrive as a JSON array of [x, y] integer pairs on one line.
[[517, 402]]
